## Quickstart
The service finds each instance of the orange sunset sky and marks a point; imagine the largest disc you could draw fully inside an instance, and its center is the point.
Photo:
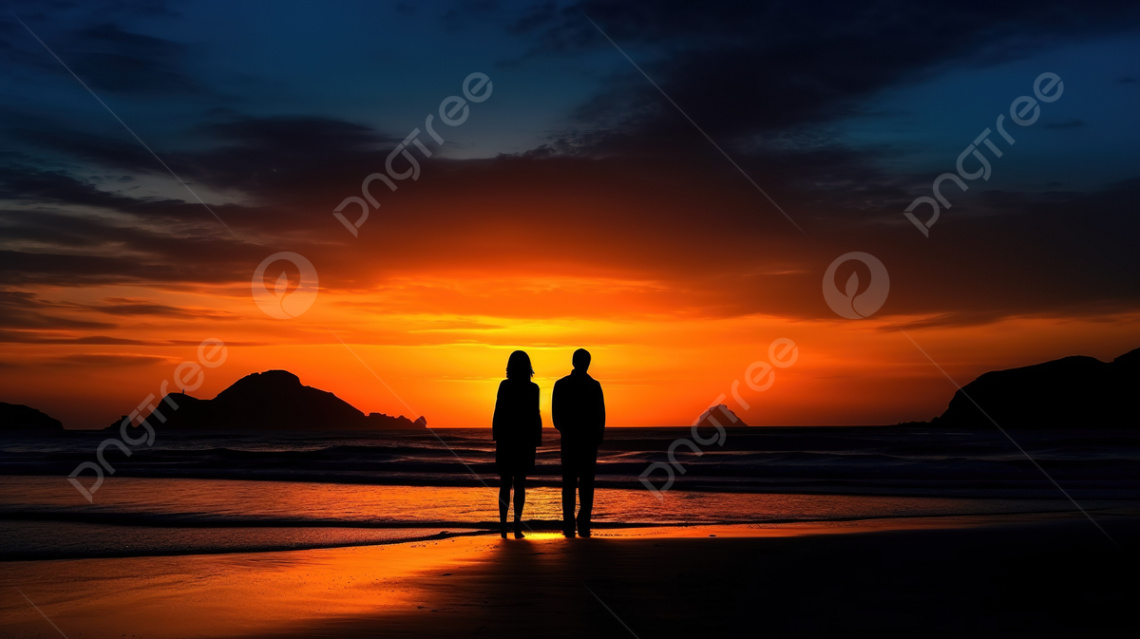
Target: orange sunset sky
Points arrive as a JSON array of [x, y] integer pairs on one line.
[[575, 207]]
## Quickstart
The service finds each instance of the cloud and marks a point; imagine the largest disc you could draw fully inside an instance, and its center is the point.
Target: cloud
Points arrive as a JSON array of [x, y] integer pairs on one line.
[[1071, 123], [668, 236], [24, 310], [32, 337], [28, 184], [112, 360], [747, 69], [277, 157], [136, 307], [110, 59]]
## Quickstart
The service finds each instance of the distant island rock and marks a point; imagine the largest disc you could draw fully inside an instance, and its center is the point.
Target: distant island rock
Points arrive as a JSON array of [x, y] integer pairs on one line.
[[274, 400], [25, 419], [719, 415], [1072, 392]]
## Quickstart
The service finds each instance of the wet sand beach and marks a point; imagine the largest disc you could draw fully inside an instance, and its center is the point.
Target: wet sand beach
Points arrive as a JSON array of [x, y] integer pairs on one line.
[[1044, 575]]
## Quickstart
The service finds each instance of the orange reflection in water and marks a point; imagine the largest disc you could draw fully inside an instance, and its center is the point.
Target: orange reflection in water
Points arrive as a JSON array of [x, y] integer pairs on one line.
[[226, 595]]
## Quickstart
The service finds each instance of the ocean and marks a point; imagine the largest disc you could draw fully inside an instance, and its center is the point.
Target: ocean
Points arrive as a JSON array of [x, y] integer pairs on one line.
[[208, 493]]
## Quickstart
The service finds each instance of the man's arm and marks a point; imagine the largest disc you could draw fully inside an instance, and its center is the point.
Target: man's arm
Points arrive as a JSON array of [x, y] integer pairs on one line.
[[537, 416], [557, 411], [601, 415]]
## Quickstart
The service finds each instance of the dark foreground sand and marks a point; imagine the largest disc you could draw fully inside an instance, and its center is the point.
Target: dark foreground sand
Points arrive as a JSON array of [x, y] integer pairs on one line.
[[1023, 577]]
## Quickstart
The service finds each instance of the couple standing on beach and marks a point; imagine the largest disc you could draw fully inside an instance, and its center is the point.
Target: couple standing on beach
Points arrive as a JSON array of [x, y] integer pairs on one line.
[[579, 413]]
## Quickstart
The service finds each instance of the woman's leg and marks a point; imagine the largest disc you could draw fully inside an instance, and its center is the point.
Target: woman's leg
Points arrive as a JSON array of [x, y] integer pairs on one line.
[[520, 501], [504, 501]]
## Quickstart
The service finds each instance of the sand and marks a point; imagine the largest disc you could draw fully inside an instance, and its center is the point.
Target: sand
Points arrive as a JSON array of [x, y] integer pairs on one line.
[[950, 576]]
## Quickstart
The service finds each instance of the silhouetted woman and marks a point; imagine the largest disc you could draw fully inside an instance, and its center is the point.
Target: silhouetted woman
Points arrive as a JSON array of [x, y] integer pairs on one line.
[[517, 431]]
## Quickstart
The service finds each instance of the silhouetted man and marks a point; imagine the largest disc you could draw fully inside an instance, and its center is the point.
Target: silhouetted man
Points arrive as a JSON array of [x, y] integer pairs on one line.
[[579, 413]]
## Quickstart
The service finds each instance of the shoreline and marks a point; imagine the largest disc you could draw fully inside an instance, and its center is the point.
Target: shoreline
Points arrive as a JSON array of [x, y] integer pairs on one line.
[[433, 531]]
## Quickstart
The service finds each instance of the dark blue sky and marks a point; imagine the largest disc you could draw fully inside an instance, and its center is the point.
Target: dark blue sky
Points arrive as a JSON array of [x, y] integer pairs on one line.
[[171, 69]]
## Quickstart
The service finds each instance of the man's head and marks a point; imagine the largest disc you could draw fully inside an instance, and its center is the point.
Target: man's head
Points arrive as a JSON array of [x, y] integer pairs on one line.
[[581, 360]]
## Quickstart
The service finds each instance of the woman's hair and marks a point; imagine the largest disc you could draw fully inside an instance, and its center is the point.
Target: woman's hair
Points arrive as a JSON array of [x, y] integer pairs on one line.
[[518, 366]]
